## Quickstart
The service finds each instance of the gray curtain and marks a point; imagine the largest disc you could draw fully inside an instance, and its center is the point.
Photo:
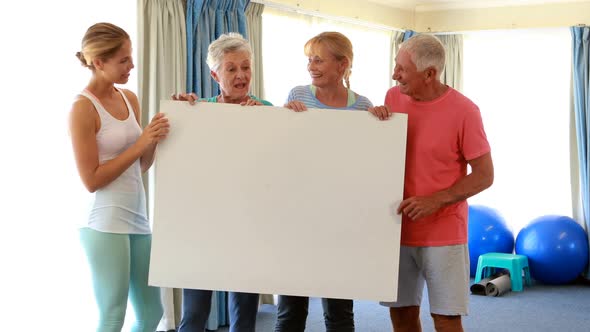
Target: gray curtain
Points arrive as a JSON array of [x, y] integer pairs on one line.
[[581, 101], [254, 27], [453, 73], [397, 37], [162, 72], [162, 53]]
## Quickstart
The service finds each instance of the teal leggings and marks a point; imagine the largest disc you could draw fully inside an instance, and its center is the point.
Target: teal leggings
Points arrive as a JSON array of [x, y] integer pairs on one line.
[[119, 264]]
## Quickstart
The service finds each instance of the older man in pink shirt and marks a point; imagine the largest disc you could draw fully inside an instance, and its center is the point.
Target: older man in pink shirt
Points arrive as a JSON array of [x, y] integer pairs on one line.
[[445, 134]]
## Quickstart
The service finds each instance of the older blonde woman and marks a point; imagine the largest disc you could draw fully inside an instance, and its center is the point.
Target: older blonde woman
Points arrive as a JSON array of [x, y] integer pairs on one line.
[[329, 65], [229, 58]]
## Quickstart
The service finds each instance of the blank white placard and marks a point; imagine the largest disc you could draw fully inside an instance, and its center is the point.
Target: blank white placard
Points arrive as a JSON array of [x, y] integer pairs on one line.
[[266, 200]]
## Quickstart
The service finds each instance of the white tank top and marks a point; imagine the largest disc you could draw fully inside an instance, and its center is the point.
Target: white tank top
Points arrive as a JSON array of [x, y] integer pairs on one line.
[[118, 207]]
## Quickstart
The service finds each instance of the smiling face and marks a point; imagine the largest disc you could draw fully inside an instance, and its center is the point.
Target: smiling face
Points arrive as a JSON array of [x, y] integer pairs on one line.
[[234, 74], [117, 68], [324, 68], [410, 81]]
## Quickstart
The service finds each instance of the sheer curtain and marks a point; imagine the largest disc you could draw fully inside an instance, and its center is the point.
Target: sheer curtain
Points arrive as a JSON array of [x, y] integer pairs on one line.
[[520, 79], [48, 287], [285, 65]]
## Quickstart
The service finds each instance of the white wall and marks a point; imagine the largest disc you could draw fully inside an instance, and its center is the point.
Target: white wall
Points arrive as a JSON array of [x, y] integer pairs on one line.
[[508, 17], [352, 9], [515, 17]]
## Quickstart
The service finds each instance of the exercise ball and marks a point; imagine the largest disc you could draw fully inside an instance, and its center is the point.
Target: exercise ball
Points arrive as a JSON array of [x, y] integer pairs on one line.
[[487, 232], [557, 248]]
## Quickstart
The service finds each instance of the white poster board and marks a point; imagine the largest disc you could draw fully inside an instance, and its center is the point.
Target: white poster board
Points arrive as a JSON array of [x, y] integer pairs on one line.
[[266, 200]]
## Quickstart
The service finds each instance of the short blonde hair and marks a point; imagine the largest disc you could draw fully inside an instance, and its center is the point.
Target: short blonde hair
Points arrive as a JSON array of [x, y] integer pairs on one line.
[[230, 42], [337, 44], [101, 41], [425, 51]]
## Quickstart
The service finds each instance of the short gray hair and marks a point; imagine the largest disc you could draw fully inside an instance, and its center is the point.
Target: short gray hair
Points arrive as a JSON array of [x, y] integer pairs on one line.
[[425, 51], [230, 42]]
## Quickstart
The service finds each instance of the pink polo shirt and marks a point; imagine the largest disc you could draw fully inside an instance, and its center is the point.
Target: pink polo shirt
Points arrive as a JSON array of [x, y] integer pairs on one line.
[[443, 134]]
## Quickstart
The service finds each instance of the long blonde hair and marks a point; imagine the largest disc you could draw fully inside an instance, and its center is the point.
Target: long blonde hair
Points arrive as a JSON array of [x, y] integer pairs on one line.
[[337, 44]]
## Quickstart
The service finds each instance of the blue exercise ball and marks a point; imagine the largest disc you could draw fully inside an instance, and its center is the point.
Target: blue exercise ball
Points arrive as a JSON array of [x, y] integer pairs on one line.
[[557, 248], [487, 232]]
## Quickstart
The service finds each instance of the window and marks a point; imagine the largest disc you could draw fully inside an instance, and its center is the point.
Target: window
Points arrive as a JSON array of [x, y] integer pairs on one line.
[[285, 64], [43, 201], [520, 79]]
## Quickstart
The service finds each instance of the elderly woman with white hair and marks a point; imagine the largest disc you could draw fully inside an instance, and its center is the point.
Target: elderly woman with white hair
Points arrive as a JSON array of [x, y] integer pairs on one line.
[[229, 58]]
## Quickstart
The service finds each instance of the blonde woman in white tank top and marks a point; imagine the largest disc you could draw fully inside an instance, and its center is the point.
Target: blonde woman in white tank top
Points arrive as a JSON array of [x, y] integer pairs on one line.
[[111, 152]]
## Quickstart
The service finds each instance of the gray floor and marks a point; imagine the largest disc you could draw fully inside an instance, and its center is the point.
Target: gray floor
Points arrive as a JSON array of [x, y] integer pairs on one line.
[[539, 308]]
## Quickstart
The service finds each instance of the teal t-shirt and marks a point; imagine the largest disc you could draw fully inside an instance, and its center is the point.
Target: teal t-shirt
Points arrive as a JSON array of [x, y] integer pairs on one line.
[[214, 100]]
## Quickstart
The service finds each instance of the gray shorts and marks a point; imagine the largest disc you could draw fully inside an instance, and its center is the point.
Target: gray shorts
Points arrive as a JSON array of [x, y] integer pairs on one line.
[[446, 273]]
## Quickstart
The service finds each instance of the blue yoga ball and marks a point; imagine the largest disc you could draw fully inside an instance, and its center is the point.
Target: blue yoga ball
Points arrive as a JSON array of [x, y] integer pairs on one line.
[[557, 248], [488, 232]]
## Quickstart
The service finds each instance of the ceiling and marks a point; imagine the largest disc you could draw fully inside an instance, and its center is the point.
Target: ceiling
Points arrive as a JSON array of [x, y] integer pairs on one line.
[[427, 5]]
